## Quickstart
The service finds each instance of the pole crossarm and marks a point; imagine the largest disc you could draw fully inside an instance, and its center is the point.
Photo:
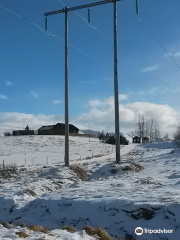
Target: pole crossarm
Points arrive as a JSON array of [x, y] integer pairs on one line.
[[80, 7]]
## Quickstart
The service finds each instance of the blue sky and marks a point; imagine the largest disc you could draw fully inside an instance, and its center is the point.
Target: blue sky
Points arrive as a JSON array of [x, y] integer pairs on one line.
[[32, 64]]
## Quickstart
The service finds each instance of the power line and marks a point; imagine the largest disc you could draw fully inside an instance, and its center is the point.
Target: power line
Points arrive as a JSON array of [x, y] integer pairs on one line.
[[152, 73], [153, 34], [51, 34], [89, 24], [142, 83], [128, 54]]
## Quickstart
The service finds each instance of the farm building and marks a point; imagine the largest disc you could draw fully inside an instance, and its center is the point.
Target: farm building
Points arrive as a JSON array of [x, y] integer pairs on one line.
[[136, 139], [23, 132], [27, 131], [145, 140], [58, 129]]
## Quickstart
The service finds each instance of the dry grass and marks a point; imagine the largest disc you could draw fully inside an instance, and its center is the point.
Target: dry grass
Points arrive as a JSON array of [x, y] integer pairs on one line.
[[69, 229], [6, 225], [48, 188], [80, 172], [127, 168], [99, 232], [138, 167], [22, 234], [132, 167], [8, 171], [37, 228], [32, 193]]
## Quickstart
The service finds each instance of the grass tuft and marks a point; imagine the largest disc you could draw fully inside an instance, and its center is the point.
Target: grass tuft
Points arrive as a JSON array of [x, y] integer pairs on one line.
[[132, 167], [32, 193], [81, 173], [69, 229], [37, 228], [97, 231], [22, 234]]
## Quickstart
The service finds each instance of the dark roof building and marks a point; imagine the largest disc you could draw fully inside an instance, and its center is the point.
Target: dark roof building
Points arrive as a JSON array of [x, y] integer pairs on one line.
[[23, 132], [145, 140], [136, 139], [58, 129]]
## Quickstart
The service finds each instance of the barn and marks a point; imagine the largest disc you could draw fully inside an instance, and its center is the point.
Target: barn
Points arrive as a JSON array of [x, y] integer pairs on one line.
[[58, 129]]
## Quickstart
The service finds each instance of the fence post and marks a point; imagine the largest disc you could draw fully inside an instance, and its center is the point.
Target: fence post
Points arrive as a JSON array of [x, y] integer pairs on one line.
[[3, 163]]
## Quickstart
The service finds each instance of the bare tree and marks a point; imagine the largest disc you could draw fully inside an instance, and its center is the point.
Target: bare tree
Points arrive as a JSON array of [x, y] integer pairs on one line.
[[147, 127], [151, 127], [141, 125], [156, 130], [176, 135], [166, 137]]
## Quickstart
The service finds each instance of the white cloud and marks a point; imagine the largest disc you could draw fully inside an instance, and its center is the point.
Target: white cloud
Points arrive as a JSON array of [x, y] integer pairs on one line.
[[123, 97], [2, 96], [56, 102], [177, 54], [106, 102], [150, 69], [34, 94], [101, 115], [8, 83], [168, 54], [15, 120]]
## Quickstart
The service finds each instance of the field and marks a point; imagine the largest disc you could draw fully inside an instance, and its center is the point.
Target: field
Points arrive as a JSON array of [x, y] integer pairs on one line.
[[37, 189]]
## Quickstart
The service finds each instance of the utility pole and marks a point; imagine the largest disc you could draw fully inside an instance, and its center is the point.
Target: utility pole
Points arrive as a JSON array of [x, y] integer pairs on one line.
[[116, 89], [116, 94], [66, 91]]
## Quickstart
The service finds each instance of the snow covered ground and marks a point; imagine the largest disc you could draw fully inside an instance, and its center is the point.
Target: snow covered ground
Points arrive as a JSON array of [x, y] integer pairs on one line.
[[143, 191]]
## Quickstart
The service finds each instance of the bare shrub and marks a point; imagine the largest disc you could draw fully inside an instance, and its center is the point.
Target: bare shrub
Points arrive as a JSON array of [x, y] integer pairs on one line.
[[7, 134]]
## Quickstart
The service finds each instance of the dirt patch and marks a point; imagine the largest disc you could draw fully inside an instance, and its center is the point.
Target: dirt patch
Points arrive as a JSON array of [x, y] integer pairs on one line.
[[81, 173]]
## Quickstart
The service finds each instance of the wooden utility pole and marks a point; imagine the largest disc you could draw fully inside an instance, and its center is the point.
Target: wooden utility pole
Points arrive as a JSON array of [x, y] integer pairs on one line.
[[116, 91]]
